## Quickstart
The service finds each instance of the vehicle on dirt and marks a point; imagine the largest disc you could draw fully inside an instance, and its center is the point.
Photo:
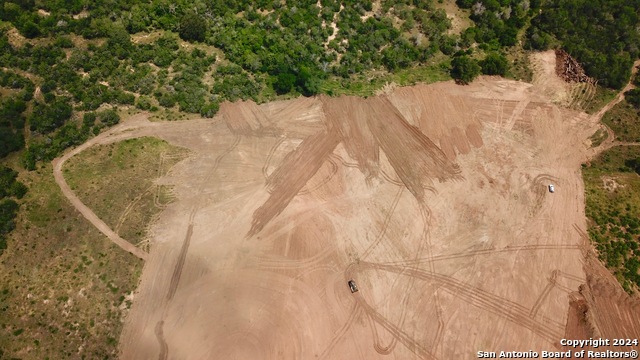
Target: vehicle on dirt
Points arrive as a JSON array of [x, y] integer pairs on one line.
[[552, 188], [352, 286]]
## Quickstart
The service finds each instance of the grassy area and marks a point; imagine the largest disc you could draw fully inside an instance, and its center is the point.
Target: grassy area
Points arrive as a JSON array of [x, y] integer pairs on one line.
[[520, 68], [64, 287], [598, 137], [600, 99], [624, 120], [612, 185], [368, 85], [126, 206]]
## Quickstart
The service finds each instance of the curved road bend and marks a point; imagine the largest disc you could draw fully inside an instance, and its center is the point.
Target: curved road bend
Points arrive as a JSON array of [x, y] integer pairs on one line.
[[81, 207]]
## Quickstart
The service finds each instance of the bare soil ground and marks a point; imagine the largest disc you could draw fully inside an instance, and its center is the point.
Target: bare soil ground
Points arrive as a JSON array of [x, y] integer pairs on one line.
[[432, 198]]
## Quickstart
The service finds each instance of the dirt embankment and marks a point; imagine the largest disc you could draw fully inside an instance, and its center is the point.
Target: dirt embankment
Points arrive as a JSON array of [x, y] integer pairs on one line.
[[602, 309]]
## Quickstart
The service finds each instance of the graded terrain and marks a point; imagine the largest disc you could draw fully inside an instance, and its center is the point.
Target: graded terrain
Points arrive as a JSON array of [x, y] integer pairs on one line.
[[432, 198]]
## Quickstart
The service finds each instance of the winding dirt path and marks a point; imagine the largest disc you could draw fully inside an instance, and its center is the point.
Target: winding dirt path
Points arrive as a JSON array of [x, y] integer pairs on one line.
[[88, 214], [611, 141]]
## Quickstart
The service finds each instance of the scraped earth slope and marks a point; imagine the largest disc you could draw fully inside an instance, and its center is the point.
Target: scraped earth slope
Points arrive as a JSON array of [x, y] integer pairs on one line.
[[432, 198]]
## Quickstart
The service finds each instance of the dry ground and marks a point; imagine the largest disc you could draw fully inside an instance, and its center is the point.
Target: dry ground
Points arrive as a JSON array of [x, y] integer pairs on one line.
[[432, 198]]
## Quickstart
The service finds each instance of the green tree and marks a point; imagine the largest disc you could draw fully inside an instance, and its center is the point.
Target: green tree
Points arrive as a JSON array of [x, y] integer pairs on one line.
[[30, 30], [210, 109], [494, 64], [193, 27], [109, 117], [464, 69], [284, 83]]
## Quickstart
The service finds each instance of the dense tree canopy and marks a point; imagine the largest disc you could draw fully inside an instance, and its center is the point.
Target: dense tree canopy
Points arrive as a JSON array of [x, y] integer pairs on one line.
[[602, 35]]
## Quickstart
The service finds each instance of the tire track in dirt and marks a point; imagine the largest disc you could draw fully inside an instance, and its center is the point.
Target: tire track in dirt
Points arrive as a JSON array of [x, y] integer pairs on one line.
[[353, 315], [177, 270], [164, 348], [377, 346], [123, 216], [396, 330], [274, 148], [385, 224], [514, 312], [517, 112], [465, 254], [385, 350], [182, 257], [410, 343], [545, 292]]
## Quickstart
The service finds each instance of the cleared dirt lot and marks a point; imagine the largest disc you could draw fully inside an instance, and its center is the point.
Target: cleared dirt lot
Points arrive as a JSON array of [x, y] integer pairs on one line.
[[432, 198]]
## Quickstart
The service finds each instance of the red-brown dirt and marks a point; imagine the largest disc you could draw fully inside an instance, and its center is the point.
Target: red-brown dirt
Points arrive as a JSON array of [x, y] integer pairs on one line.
[[432, 198]]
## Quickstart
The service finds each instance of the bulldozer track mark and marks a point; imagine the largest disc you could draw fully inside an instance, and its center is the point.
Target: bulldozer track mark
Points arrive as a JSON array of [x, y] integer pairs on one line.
[[164, 348], [334, 170], [157, 188], [177, 270], [385, 225], [507, 309], [385, 175]]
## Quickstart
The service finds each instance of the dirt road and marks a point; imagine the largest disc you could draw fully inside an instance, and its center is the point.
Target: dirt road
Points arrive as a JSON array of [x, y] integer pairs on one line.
[[81, 207]]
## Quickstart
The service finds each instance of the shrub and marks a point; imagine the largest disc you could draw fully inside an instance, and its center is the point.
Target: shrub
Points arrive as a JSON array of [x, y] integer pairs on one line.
[[109, 117], [464, 69], [494, 64]]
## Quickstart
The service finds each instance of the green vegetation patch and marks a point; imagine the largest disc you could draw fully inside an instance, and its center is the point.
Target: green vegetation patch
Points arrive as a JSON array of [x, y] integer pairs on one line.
[[612, 185], [598, 137], [368, 85], [624, 120], [117, 182], [602, 97], [56, 281], [11, 190]]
